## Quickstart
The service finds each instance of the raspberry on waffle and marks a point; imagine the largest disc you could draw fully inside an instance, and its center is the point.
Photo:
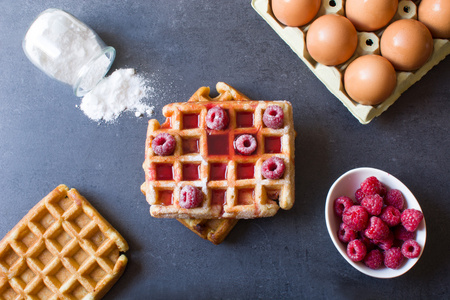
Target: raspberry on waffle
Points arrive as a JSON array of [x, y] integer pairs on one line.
[[231, 183], [62, 249]]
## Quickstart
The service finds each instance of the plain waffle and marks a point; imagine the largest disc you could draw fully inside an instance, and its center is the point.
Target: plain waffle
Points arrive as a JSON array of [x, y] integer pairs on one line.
[[232, 184], [62, 249]]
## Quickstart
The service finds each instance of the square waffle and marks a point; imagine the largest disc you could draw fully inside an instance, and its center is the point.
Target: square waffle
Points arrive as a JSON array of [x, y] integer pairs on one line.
[[231, 183], [62, 249], [368, 43]]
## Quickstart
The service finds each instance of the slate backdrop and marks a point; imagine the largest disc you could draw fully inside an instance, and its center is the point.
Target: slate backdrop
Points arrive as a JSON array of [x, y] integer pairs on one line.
[[179, 46]]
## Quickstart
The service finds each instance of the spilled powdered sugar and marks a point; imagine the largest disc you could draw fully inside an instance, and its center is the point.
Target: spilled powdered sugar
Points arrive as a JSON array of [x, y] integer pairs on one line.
[[123, 90]]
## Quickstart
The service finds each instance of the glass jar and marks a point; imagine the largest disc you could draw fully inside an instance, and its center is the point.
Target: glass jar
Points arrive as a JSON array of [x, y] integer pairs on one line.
[[68, 50]]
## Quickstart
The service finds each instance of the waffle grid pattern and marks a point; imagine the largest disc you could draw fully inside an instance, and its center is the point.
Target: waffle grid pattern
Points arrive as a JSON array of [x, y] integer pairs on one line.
[[247, 196], [62, 249]]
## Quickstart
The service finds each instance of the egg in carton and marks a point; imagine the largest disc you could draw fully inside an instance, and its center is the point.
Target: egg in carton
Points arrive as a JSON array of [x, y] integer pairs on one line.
[[368, 43]]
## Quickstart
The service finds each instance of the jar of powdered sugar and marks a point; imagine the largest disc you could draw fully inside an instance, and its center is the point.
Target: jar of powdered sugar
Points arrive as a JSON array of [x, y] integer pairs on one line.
[[68, 50]]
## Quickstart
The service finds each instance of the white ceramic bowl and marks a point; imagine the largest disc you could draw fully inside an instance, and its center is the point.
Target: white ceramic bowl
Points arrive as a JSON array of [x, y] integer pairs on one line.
[[346, 185]]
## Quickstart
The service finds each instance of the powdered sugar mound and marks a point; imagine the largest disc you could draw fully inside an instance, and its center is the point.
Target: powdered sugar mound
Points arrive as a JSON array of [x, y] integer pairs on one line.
[[123, 90]]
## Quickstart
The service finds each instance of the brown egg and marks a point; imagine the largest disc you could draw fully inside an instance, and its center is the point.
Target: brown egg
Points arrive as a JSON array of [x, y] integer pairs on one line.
[[370, 79], [331, 39], [407, 44], [435, 14], [370, 15], [295, 12]]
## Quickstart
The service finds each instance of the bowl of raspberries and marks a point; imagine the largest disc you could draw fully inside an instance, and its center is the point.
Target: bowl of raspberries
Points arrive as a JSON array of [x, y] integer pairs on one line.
[[375, 222]]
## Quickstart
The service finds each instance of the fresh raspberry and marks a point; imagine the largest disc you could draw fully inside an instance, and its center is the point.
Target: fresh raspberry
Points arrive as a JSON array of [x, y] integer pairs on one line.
[[341, 204], [395, 198], [385, 243], [245, 144], [383, 191], [346, 234], [373, 204], [402, 234], [273, 168], [393, 258], [377, 229], [190, 197], [411, 219], [410, 249], [371, 186], [356, 217], [163, 144], [374, 259], [359, 195], [368, 242], [217, 118], [390, 215], [356, 250], [273, 117]]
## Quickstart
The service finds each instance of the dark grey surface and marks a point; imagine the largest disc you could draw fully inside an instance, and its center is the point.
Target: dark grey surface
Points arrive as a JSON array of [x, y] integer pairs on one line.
[[46, 140]]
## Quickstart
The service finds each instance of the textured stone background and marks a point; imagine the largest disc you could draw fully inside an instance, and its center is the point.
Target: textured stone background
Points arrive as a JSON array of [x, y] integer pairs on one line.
[[179, 46]]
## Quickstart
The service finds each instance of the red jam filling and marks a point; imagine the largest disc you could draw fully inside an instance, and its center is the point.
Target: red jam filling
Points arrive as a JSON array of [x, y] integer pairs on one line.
[[217, 171], [164, 172], [190, 146], [217, 144], [190, 121], [167, 124], [218, 197], [244, 119], [246, 197], [245, 171], [272, 144], [165, 197], [191, 172]]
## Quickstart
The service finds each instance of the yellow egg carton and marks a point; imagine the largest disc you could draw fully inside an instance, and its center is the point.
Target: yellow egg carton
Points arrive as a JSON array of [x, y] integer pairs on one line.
[[368, 43]]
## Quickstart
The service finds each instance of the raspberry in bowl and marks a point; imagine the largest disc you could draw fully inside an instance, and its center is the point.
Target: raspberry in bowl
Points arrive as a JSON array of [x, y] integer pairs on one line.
[[361, 179]]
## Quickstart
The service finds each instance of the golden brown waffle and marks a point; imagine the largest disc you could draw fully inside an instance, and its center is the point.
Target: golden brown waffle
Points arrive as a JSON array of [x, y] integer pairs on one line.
[[368, 43], [198, 148], [213, 230], [62, 249]]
